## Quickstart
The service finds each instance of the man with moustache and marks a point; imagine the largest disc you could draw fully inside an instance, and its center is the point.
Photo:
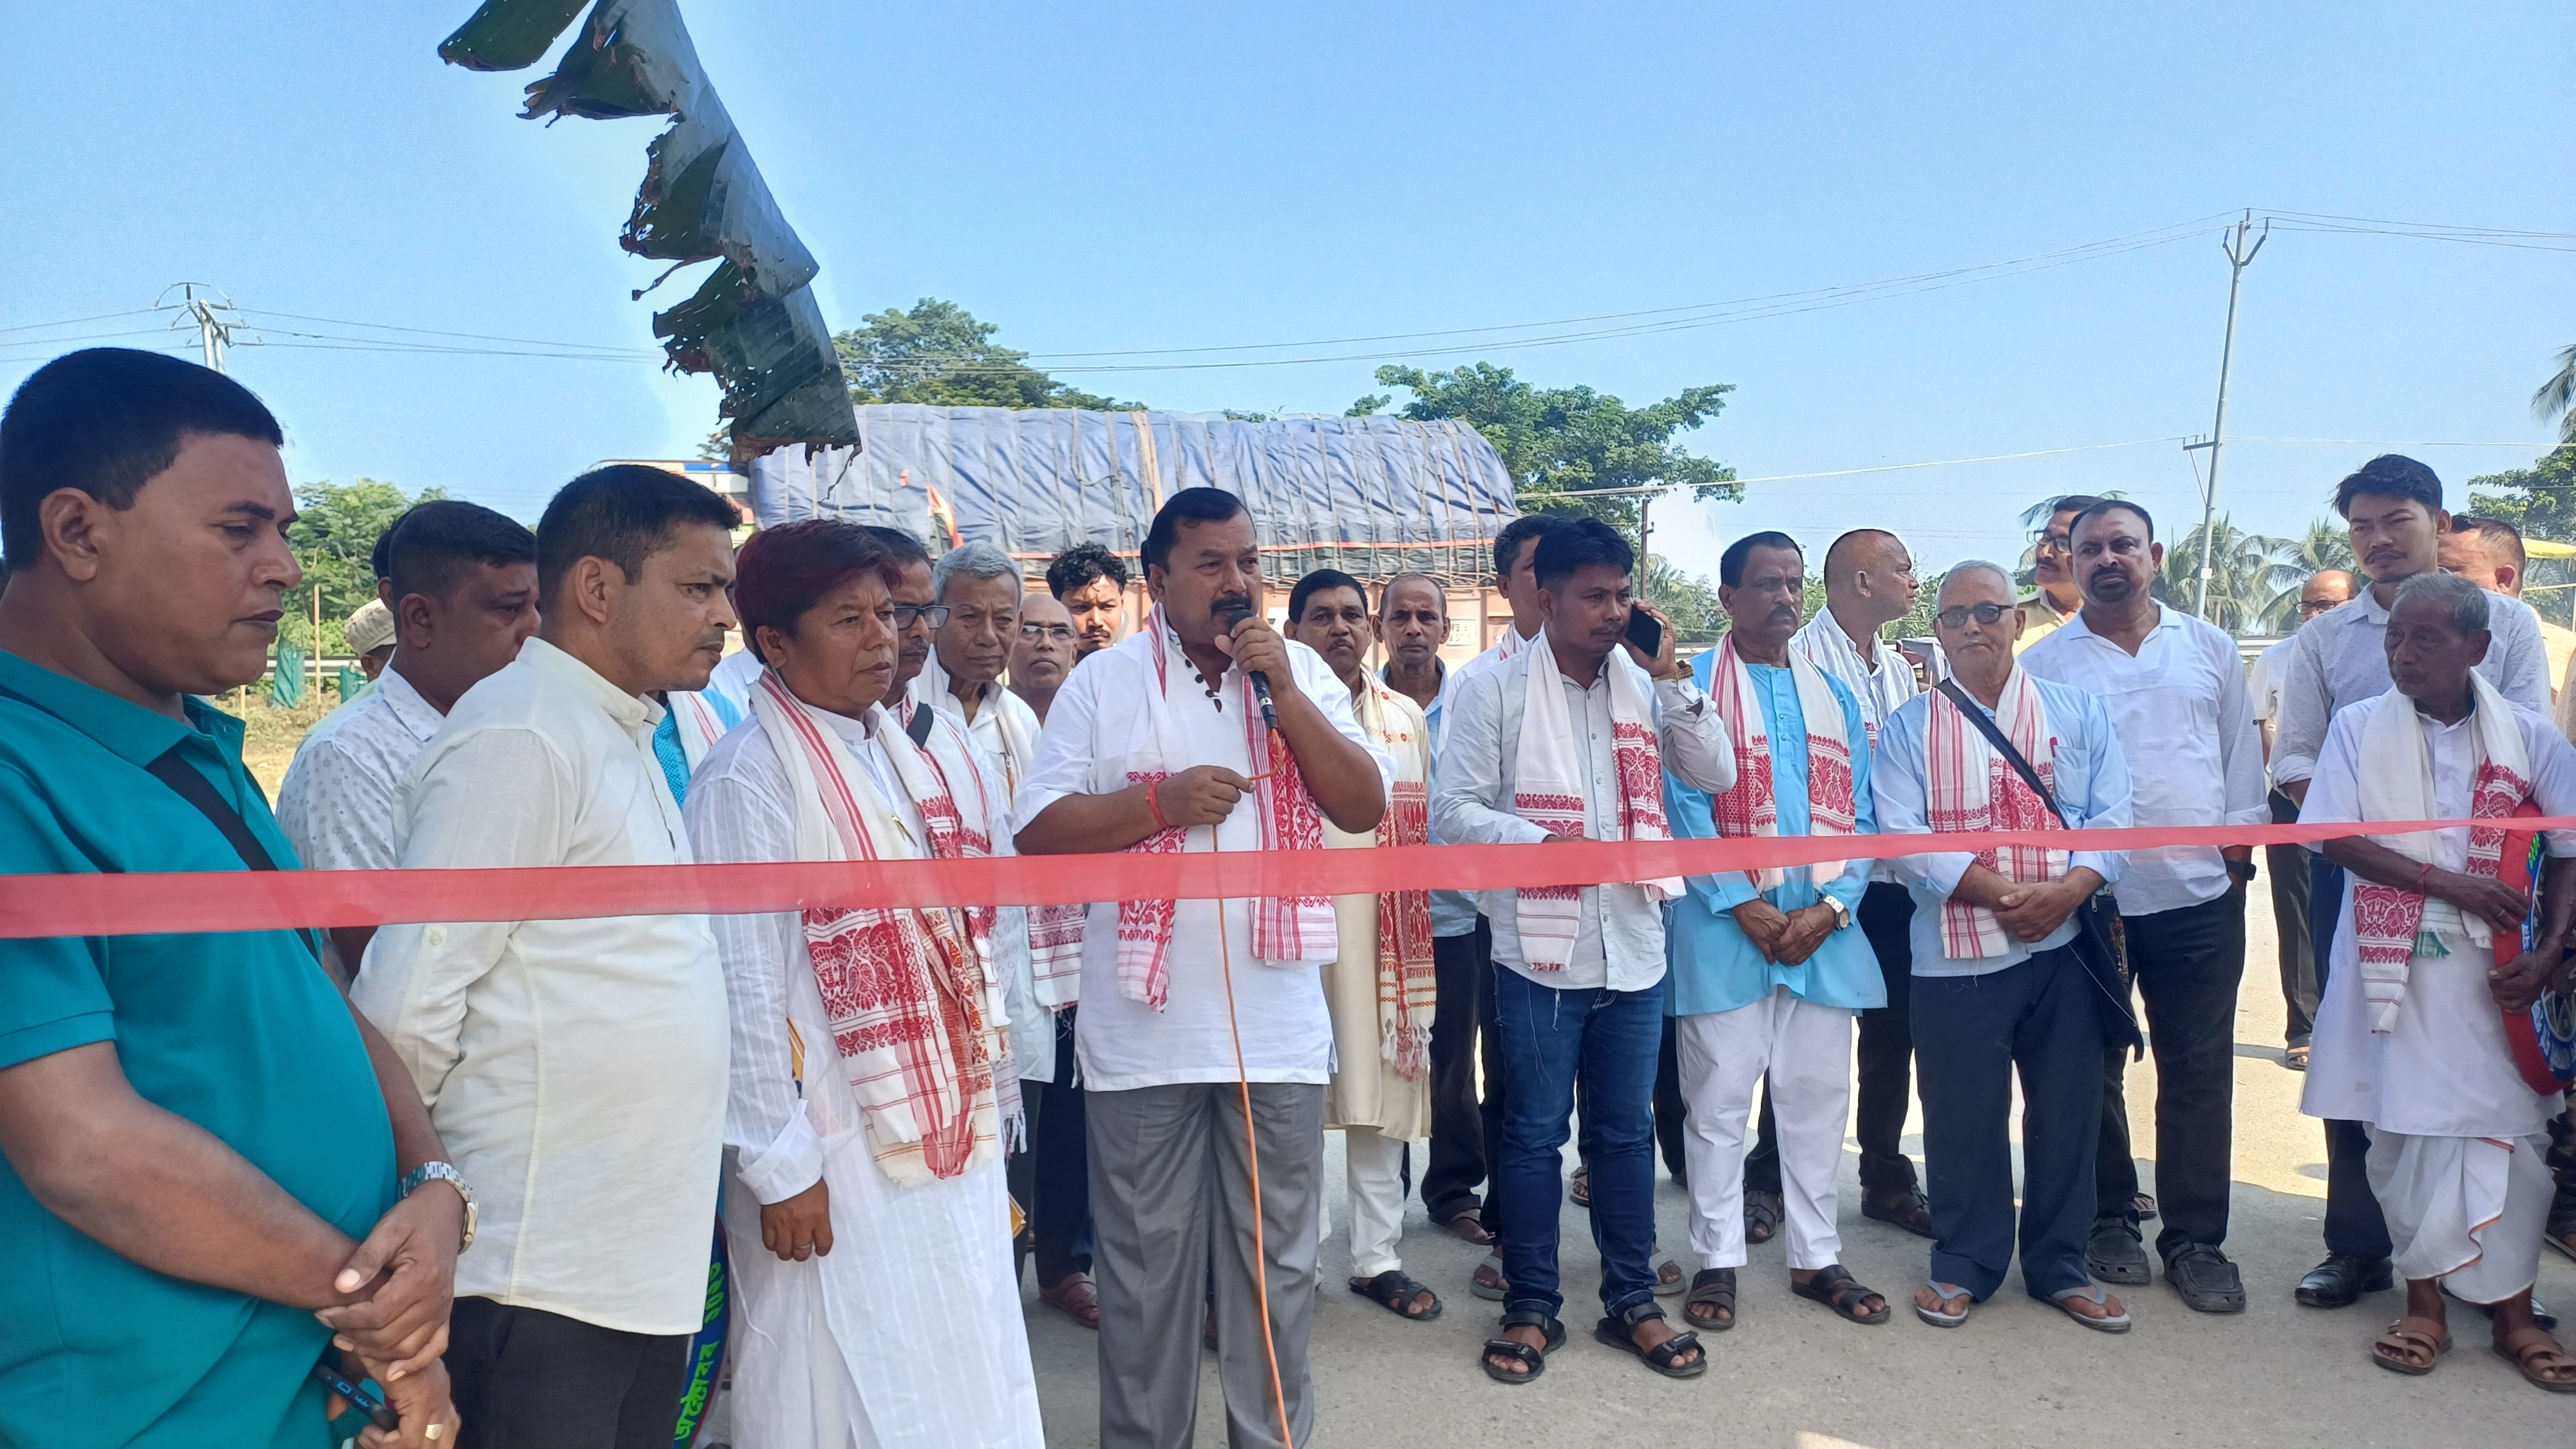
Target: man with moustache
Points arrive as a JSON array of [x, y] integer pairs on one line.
[[1870, 584], [1767, 972], [2287, 865], [1091, 583], [2176, 693], [198, 1130], [1380, 989], [1042, 653], [2393, 505], [2001, 986], [1204, 1022], [464, 585], [2057, 596], [577, 1067], [1413, 622]]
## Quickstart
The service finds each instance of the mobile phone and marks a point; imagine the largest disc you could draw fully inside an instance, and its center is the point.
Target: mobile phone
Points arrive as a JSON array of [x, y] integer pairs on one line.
[[359, 1396], [1645, 633]]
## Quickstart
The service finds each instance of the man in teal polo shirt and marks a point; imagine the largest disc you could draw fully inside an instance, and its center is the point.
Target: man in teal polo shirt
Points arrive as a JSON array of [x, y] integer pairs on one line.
[[196, 1130]]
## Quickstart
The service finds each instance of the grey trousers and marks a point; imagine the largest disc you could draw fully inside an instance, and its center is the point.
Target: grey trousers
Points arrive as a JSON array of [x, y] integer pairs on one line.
[[1171, 1204]]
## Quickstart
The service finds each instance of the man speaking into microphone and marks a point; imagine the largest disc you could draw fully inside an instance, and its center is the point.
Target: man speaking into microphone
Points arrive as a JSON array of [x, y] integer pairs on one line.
[[1160, 745]]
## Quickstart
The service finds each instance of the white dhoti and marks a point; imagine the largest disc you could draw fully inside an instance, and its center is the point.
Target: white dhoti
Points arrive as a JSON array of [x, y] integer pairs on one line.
[[2466, 1210], [1807, 1050], [909, 1332]]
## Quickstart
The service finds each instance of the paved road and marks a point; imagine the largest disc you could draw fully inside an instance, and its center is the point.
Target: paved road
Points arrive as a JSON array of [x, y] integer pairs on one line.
[[2018, 1373]]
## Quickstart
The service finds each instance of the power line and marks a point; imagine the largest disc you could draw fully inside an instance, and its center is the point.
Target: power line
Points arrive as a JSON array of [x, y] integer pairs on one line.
[[76, 321]]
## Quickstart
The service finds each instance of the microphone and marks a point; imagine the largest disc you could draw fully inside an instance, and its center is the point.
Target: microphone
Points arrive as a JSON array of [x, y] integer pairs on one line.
[[1229, 620]]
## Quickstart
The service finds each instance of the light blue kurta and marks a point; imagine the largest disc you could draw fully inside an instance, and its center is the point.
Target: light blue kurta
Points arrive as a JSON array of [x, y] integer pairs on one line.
[[1715, 966]]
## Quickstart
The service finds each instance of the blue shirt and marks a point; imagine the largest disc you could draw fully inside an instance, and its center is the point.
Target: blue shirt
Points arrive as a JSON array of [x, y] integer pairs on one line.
[[1715, 966], [2092, 786], [1453, 913], [239, 1033]]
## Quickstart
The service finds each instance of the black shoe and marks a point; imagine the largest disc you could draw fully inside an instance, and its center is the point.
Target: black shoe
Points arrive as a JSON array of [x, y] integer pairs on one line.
[[2342, 1278], [2207, 1282], [2114, 1255], [2542, 1318]]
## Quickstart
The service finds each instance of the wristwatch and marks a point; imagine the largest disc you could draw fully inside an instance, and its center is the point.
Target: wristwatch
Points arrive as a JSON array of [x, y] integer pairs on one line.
[[443, 1172], [2243, 870], [1842, 913]]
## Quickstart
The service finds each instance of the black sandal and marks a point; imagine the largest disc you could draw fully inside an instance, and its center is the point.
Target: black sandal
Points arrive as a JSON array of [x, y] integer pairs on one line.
[[1907, 1210], [1620, 1333], [1514, 1349], [1761, 1215], [1713, 1287], [1396, 1293], [1834, 1287]]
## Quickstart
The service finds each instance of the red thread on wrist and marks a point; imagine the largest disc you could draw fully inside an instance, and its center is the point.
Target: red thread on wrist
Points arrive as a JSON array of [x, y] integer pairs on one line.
[[1156, 806], [2422, 876]]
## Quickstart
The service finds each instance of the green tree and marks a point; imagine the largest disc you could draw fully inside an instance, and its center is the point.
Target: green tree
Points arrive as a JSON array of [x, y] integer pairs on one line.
[[2540, 500], [942, 355], [2326, 545], [2249, 576], [2555, 400], [1571, 439], [1687, 599], [334, 537]]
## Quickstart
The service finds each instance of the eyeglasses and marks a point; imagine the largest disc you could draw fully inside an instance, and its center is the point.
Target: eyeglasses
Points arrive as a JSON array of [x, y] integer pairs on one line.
[[1956, 617], [935, 615], [2056, 543], [1057, 632], [2316, 606]]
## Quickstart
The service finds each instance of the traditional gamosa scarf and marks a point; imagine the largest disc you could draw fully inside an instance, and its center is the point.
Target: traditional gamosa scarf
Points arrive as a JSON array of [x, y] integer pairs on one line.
[[1055, 932], [1407, 978], [1749, 809], [1286, 930], [913, 1007], [1972, 788], [1548, 783], [2397, 784]]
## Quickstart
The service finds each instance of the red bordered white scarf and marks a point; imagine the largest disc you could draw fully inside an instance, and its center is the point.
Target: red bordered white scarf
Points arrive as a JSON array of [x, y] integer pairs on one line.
[[1749, 809], [1286, 930], [1548, 790], [915, 1013], [1972, 788], [2397, 784], [1407, 976]]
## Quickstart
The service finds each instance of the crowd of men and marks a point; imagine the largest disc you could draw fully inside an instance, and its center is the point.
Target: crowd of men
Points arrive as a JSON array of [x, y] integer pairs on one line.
[[495, 1166]]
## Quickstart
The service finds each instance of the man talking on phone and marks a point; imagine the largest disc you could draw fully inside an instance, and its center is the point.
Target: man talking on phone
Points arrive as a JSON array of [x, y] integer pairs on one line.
[[1161, 744], [1569, 741]]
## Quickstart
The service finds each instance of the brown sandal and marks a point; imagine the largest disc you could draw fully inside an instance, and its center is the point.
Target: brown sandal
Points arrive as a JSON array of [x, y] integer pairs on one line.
[[1471, 1227], [2540, 1358], [1075, 1298], [2410, 1345]]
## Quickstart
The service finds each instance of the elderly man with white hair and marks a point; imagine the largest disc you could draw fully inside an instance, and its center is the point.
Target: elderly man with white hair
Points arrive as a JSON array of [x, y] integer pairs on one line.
[[980, 588], [2428, 969]]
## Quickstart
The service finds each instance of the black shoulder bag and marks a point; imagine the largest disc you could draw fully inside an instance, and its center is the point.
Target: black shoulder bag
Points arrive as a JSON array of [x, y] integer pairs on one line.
[[194, 788], [2098, 939]]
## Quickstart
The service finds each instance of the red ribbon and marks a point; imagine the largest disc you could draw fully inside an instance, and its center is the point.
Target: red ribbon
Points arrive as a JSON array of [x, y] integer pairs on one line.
[[143, 904]]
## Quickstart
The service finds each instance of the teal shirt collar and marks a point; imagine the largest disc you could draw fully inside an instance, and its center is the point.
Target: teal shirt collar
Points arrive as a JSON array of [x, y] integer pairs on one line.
[[126, 730]]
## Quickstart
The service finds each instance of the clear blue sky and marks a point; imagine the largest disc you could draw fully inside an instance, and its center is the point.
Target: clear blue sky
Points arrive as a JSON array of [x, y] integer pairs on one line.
[[1178, 176]]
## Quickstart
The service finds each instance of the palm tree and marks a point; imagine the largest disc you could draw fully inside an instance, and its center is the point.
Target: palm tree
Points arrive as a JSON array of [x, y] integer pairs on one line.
[[2556, 398], [2246, 576], [2326, 545]]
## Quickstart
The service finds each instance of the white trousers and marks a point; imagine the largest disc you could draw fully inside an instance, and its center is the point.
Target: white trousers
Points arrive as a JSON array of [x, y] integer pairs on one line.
[[1374, 1172], [1807, 1050], [2467, 1210]]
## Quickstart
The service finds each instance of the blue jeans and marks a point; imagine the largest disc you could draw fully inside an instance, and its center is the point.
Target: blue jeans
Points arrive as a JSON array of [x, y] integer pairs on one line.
[[1608, 1040]]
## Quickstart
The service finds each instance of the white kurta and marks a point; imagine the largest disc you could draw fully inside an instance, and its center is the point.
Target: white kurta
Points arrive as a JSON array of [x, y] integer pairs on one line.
[[2444, 1069], [909, 1332], [1366, 1092]]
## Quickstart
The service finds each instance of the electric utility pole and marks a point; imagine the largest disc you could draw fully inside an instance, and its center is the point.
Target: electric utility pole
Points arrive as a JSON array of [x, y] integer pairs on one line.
[[214, 330], [2239, 257]]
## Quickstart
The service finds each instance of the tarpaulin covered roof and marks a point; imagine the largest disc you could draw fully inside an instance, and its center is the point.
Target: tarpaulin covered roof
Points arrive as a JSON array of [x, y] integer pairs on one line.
[[1370, 496]]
